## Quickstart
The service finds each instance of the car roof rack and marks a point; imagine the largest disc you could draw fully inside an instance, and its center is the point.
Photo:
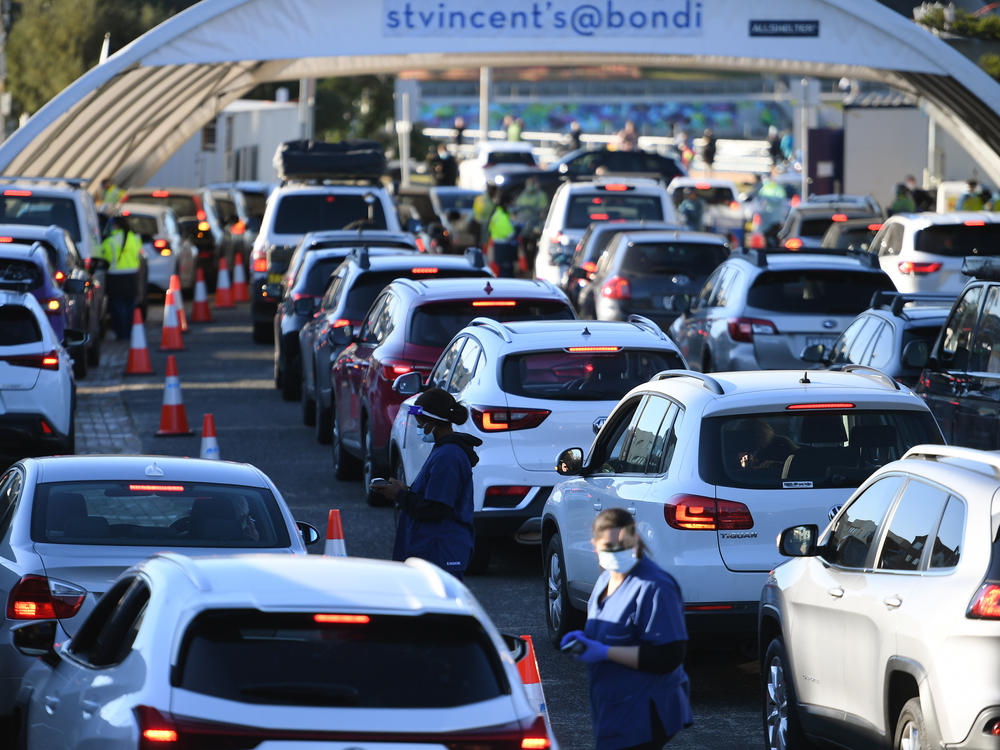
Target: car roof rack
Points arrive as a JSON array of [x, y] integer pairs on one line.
[[645, 324], [895, 301], [71, 181], [982, 267], [757, 257], [938, 452], [493, 326], [872, 372], [707, 381]]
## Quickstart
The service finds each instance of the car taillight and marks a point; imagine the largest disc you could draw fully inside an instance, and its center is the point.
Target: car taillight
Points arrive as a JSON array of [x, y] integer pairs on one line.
[[155, 730], [744, 329], [874, 227], [259, 258], [502, 419], [589, 267], [49, 361], [53, 305], [163, 246], [161, 194], [238, 228], [756, 241], [839, 217], [697, 513], [793, 243], [734, 205], [392, 370], [17, 193], [512, 494], [986, 605], [41, 598], [908, 266], [616, 288], [340, 323], [59, 277]]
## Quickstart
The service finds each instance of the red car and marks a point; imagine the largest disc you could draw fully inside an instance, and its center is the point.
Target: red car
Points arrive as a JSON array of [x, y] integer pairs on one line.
[[406, 328]]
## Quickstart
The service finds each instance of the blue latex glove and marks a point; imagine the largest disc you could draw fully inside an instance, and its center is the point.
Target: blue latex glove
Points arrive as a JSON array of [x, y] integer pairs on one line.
[[594, 651]]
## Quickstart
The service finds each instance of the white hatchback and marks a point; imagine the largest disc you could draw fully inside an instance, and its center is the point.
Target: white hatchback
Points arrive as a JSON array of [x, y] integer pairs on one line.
[[531, 388]]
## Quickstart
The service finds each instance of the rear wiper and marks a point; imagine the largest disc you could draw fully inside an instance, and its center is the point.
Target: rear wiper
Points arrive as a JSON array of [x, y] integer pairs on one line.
[[316, 695]]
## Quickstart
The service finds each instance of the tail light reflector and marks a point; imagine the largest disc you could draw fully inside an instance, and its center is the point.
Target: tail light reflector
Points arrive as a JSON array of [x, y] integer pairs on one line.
[[910, 267], [697, 513], [993, 728], [744, 329], [616, 287], [986, 605], [40, 598], [501, 419]]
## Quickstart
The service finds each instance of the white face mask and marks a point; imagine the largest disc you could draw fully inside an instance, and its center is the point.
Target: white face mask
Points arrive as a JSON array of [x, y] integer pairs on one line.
[[427, 435], [617, 561]]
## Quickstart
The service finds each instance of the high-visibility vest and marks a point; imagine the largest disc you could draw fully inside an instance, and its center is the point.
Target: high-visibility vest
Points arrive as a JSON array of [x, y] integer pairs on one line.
[[122, 252], [501, 228]]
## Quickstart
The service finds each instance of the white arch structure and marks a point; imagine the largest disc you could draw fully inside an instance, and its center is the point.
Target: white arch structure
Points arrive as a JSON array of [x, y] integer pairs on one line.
[[126, 116]]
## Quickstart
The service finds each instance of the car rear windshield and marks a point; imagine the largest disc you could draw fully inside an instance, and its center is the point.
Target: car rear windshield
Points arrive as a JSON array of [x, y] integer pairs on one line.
[[367, 286], [511, 157], [713, 196], [959, 240], [567, 375], [818, 292], [435, 324], [256, 203], [814, 227], [808, 448], [859, 237], [184, 206], [670, 258], [156, 514], [18, 326], [298, 214], [456, 201], [21, 272], [144, 225], [376, 661], [585, 208], [40, 210]]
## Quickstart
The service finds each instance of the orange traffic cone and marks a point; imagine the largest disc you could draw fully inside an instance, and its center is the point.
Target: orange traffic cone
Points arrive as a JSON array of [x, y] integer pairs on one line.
[[528, 669], [223, 292], [209, 443], [241, 292], [173, 418], [334, 546], [171, 340], [175, 287], [138, 352], [200, 312]]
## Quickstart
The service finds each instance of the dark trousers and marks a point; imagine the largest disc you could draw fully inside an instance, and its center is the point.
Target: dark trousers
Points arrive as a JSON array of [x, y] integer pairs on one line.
[[505, 256], [660, 737], [122, 290]]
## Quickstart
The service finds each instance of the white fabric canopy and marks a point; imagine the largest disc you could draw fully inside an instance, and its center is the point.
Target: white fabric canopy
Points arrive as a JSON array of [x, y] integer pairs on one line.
[[125, 117]]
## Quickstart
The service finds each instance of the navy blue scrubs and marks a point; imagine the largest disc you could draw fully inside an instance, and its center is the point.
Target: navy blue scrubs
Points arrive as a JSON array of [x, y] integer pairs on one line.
[[446, 478], [646, 608]]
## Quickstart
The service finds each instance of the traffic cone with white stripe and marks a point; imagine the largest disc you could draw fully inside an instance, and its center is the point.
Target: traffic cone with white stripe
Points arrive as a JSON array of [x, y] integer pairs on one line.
[[209, 443], [175, 287], [223, 291], [200, 311], [173, 418], [171, 340], [241, 292], [138, 352], [528, 669], [334, 546]]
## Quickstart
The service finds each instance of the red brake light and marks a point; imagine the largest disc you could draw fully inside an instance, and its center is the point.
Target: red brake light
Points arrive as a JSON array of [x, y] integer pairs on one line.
[[616, 287], [200, 215], [203, 226], [424, 270], [154, 728], [589, 349], [259, 261], [975, 223], [874, 227], [744, 329], [340, 323], [536, 737], [392, 370], [49, 361], [495, 303], [986, 605], [6, 239], [59, 276], [734, 205], [796, 200], [337, 619], [839, 217], [599, 217], [697, 513], [17, 193], [702, 186], [500, 418], [910, 267], [160, 244], [831, 405], [238, 228], [590, 267], [793, 243], [53, 305], [616, 187], [38, 598], [756, 241], [161, 193], [156, 487], [126, 212]]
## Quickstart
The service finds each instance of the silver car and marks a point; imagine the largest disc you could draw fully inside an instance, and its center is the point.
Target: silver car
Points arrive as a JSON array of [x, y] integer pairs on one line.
[[760, 311], [883, 631], [70, 525]]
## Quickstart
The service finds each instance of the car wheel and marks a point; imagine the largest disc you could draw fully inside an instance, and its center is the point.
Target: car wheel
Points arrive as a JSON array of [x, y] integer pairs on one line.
[[308, 403], [80, 364], [368, 468], [560, 615], [911, 733], [262, 333], [345, 466], [782, 730], [322, 420]]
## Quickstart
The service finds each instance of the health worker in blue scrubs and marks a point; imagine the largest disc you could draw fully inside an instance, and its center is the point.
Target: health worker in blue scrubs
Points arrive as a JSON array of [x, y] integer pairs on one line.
[[633, 643], [435, 513]]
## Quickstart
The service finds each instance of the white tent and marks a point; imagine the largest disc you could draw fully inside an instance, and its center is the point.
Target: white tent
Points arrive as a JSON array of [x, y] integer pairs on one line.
[[126, 116]]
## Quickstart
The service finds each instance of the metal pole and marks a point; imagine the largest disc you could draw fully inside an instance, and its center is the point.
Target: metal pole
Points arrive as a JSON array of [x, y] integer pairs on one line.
[[485, 86], [404, 126], [5, 99], [929, 177], [804, 126]]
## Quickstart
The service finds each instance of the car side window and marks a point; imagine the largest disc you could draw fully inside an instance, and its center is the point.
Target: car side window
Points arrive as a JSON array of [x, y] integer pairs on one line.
[[369, 328], [465, 367], [880, 355], [855, 532], [609, 452], [862, 343], [838, 354], [892, 240], [958, 329], [644, 435], [72, 254], [387, 318], [947, 548], [332, 293], [912, 524], [105, 637], [707, 290], [725, 289], [666, 440], [442, 371], [985, 350], [10, 488]]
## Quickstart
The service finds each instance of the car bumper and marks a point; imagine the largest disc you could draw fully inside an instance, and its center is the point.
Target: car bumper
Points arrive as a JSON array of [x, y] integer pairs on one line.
[[523, 522], [721, 618], [13, 666], [16, 430]]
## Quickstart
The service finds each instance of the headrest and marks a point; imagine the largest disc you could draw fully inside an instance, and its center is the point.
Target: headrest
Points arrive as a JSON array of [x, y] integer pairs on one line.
[[823, 428], [64, 508], [873, 436]]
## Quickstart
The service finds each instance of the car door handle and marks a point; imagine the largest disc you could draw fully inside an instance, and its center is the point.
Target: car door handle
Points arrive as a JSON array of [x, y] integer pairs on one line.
[[89, 708], [836, 593], [892, 601], [598, 507], [51, 703]]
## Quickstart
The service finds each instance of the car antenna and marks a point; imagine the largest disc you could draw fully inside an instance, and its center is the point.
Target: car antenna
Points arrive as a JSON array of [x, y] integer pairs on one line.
[[805, 378]]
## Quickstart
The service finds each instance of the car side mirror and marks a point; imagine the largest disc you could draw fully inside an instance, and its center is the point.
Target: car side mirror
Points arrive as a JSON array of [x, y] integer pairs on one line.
[[408, 384], [75, 338], [74, 286], [814, 353], [799, 541], [915, 354], [342, 336], [37, 639], [310, 534], [570, 462]]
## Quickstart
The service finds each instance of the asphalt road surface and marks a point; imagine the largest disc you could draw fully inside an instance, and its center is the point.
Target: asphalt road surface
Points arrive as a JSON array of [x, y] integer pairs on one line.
[[223, 372]]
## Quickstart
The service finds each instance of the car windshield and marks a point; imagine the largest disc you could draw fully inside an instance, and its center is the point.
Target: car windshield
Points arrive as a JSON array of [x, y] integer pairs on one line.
[[26, 208], [435, 323], [568, 375], [373, 661], [811, 448], [143, 513], [18, 326], [21, 272], [298, 214], [959, 240], [671, 258], [713, 196], [585, 208], [817, 292]]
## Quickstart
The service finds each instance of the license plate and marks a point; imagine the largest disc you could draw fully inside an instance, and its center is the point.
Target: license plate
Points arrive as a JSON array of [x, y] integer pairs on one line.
[[826, 341], [275, 278]]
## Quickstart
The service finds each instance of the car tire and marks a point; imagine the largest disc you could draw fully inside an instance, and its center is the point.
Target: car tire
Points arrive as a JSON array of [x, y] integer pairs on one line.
[[345, 466], [911, 732], [368, 468], [560, 615], [80, 364], [308, 403], [323, 420], [779, 704], [262, 333]]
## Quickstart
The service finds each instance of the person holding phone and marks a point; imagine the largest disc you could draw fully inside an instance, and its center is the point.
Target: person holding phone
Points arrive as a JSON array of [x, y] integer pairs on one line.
[[435, 512], [634, 643]]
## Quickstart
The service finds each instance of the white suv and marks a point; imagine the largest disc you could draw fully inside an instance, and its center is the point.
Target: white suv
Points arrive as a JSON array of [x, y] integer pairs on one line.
[[712, 468], [527, 386], [61, 201], [576, 205], [883, 631]]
